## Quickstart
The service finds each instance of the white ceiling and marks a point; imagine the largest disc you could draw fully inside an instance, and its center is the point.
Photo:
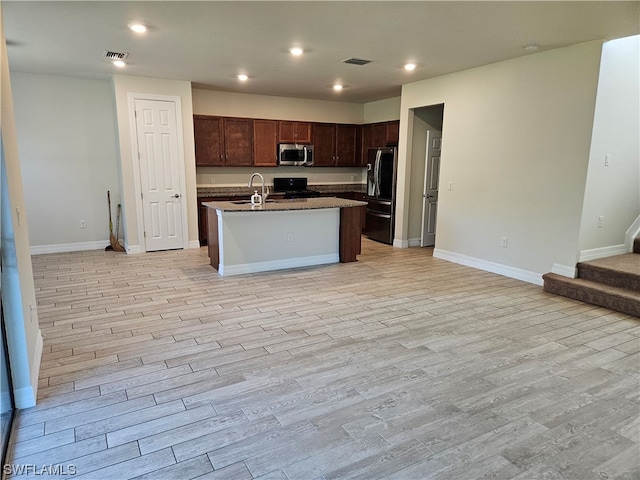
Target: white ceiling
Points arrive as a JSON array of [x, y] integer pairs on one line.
[[209, 42]]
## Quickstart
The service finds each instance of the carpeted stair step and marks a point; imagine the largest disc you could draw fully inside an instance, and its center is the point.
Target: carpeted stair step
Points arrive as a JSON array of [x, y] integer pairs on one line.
[[613, 298], [621, 271]]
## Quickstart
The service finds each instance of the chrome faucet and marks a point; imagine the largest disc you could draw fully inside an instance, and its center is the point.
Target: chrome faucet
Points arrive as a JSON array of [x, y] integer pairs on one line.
[[263, 197]]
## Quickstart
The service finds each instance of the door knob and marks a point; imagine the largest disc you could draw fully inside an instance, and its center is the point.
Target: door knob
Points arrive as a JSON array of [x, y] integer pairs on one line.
[[177, 195]]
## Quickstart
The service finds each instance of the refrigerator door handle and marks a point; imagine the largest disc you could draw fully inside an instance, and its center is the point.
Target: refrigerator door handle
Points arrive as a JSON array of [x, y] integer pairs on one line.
[[377, 173]]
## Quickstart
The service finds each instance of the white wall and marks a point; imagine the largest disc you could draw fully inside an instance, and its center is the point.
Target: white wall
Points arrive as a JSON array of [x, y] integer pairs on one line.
[[122, 86], [67, 141], [613, 191], [382, 110], [516, 138], [18, 291], [210, 102]]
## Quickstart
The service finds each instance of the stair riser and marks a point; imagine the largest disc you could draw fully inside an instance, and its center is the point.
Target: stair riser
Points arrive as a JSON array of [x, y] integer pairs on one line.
[[592, 296], [636, 245], [611, 278]]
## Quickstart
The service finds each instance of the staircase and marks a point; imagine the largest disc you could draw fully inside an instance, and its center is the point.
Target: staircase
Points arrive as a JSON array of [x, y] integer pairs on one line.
[[612, 282]]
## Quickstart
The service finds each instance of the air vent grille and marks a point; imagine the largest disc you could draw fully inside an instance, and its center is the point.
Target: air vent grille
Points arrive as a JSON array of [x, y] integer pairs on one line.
[[356, 61], [111, 55]]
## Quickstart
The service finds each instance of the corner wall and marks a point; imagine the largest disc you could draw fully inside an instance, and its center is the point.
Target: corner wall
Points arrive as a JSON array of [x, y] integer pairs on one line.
[[67, 141], [516, 139], [122, 86], [613, 190], [18, 292]]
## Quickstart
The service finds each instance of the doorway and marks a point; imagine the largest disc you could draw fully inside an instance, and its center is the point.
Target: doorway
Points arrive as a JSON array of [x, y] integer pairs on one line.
[[160, 166], [427, 138]]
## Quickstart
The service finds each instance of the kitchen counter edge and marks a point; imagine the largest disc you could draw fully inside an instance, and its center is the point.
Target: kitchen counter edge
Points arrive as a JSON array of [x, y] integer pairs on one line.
[[204, 192]]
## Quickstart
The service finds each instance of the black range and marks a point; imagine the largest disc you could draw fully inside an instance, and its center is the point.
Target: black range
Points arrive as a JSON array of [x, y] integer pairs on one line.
[[293, 187]]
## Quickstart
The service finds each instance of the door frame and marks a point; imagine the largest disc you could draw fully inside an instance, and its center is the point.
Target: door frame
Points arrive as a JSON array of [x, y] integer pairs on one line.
[[135, 157]]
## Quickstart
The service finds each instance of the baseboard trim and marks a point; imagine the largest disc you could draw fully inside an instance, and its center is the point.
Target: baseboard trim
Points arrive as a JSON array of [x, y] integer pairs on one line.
[[278, 264], [415, 242], [602, 252], [564, 270], [194, 244], [68, 247], [400, 243], [25, 397], [132, 249], [504, 270]]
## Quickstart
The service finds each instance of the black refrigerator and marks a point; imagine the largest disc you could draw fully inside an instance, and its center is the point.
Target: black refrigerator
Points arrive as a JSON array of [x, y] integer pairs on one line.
[[381, 193]]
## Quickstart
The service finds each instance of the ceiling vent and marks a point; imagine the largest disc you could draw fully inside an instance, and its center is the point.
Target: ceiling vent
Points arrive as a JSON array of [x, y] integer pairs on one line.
[[356, 61], [115, 55]]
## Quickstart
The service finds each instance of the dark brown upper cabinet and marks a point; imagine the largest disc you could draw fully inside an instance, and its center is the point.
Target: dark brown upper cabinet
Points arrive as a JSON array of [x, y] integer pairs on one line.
[[336, 145], [265, 143], [294, 132], [223, 142]]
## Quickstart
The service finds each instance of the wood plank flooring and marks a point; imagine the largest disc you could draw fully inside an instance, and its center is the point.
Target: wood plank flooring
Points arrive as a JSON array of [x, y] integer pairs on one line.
[[398, 366]]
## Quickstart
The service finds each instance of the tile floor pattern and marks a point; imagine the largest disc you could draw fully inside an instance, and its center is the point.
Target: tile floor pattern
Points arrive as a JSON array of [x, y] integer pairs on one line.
[[399, 366]]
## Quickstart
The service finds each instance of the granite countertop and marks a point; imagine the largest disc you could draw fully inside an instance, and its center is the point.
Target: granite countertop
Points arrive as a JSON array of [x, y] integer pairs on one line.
[[211, 191], [282, 205]]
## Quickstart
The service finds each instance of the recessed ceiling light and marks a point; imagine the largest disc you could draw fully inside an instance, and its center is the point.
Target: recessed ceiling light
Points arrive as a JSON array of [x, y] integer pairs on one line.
[[119, 63], [532, 47], [296, 51], [243, 78], [410, 66], [337, 87], [138, 27]]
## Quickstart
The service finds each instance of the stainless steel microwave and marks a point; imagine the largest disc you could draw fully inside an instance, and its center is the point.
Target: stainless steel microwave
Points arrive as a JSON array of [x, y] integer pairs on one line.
[[294, 154]]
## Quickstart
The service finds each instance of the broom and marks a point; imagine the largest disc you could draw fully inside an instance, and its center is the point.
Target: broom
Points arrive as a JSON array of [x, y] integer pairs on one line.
[[114, 244]]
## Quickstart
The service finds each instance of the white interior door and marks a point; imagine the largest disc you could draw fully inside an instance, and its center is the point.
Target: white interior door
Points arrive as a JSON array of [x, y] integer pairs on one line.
[[430, 190], [160, 180]]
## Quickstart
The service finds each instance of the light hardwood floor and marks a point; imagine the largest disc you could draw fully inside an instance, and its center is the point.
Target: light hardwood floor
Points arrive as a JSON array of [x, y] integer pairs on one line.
[[398, 366]]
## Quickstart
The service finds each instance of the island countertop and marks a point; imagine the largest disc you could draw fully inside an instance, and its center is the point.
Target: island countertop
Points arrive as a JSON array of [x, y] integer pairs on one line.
[[282, 205]]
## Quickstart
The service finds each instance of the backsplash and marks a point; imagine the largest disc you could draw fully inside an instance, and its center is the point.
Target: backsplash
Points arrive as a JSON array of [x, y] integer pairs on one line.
[[316, 176]]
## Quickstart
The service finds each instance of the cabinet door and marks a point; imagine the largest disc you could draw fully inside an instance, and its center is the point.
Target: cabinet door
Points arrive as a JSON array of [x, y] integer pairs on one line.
[[345, 145], [265, 143], [294, 132], [208, 139], [303, 132], [324, 145], [238, 142], [393, 133], [378, 135], [286, 132]]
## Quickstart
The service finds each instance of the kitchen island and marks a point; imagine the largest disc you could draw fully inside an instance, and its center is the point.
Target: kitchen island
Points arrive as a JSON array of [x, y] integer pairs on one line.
[[279, 234]]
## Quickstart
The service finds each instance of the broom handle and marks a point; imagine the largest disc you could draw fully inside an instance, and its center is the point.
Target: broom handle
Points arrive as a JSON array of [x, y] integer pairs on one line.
[[109, 203]]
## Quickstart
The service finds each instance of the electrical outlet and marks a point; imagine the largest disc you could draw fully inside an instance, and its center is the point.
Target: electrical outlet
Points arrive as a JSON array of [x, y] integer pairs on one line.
[[450, 186], [83, 224], [504, 242], [607, 159], [601, 221], [290, 237]]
